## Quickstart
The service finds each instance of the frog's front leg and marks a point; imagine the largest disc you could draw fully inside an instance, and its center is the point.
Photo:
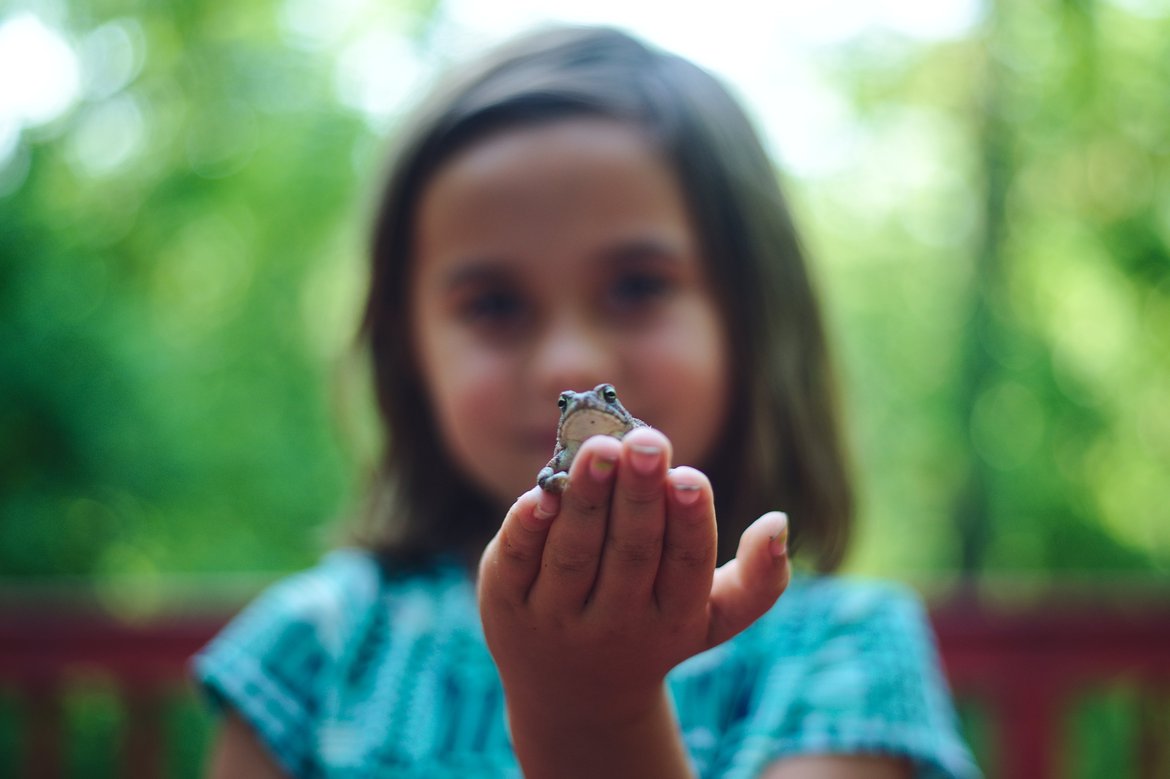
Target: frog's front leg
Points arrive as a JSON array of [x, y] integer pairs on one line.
[[551, 480]]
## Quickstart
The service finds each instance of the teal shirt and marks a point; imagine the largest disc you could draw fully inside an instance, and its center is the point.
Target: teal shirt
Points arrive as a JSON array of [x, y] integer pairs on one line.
[[344, 671]]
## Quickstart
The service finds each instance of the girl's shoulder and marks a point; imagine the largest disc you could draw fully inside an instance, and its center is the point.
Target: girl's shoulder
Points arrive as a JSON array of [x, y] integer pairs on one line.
[[320, 599], [348, 583], [328, 604], [308, 640], [340, 576], [815, 606], [848, 634], [838, 665]]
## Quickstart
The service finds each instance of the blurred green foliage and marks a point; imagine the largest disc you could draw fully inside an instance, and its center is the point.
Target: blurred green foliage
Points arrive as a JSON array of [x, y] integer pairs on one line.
[[181, 266], [1000, 271], [173, 310]]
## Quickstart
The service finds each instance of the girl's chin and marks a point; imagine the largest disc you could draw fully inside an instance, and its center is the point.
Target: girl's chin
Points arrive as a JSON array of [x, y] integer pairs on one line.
[[504, 497]]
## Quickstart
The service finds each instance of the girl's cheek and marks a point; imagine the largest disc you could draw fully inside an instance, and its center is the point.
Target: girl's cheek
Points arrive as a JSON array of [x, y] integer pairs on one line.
[[685, 370], [476, 387]]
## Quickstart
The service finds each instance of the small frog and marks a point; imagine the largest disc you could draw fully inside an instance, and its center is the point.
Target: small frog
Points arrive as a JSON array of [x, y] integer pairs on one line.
[[584, 414]]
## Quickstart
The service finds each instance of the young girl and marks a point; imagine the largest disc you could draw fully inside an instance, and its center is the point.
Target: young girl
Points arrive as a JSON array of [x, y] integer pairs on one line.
[[577, 209]]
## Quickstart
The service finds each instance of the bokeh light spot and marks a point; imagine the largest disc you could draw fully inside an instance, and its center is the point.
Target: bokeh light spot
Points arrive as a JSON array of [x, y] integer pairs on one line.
[[107, 137], [39, 74], [202, 279], [112, 56]]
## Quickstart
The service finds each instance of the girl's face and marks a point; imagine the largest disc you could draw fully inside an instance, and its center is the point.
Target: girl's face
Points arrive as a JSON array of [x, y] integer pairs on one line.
[[558, 257]]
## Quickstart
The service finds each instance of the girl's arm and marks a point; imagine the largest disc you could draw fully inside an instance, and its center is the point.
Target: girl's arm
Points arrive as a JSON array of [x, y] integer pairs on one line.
[[238, 754], [589, 602]]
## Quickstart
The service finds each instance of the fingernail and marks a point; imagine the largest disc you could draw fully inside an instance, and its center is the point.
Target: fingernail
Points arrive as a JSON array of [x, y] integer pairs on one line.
[[645, 458], [600, 468], [686, 493], [778, 542], [548, 505]]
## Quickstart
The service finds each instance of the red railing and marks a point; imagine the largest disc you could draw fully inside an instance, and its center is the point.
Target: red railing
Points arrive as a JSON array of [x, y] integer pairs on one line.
[[1026, 665], [1021, 665]]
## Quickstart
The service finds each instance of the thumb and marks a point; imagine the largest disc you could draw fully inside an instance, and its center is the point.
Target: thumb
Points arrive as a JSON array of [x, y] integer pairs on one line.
[[746, 587]]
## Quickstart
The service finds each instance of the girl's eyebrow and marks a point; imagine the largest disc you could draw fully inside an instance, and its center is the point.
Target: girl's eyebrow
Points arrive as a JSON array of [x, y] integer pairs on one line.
[[490, 269], [645, 249], [476, 271]]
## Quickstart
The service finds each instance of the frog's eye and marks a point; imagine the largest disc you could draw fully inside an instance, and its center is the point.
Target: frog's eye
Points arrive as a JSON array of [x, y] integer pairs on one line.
[[562, 401], [609, 393]]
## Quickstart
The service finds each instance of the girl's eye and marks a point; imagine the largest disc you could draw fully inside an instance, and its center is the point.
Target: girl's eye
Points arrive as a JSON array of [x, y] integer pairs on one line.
[[492, 308], [633, 290]]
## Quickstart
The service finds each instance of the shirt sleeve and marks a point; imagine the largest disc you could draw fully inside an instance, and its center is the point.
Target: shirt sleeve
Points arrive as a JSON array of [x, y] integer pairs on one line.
[[269, 663], [853, 669]]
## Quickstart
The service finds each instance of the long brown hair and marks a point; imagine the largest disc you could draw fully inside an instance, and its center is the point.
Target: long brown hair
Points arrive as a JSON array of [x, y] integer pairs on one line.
[[782, 446]]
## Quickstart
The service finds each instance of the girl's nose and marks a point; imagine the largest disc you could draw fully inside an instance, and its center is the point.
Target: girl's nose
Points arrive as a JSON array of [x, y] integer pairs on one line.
[[573, 353]]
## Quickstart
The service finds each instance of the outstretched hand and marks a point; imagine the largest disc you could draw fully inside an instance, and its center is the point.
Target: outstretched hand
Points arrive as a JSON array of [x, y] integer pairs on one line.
[[589, 598]]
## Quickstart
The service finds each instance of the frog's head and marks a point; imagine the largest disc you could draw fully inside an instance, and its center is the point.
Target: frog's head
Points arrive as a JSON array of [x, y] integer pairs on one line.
[[594, 412]]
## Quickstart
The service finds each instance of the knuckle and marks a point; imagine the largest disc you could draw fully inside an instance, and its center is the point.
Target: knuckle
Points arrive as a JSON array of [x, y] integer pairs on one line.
[[587, 505], [690, 557], [640, 497], [570, 562], [641, 491], [634, 550], [515, 552]]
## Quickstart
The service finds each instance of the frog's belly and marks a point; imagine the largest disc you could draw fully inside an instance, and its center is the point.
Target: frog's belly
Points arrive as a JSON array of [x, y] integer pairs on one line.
[[584, 424]]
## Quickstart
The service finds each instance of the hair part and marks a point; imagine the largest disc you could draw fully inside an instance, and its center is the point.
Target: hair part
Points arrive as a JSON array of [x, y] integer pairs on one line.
[[782, 444]]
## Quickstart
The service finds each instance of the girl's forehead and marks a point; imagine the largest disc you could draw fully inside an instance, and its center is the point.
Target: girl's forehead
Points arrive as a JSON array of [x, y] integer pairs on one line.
[[581, 183], [529, 168], [565, 139]]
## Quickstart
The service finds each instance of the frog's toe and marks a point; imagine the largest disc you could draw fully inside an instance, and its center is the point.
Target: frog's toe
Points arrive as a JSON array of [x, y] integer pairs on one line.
[[551, 481]]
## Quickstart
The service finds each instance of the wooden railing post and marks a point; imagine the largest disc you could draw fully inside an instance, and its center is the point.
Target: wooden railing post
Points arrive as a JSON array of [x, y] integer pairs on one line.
[[43, 742], [143, 734], [1153, 736], [1029, 727]]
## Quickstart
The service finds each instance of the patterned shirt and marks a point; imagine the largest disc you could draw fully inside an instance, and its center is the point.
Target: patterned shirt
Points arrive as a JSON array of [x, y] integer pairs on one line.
[[346, 671]]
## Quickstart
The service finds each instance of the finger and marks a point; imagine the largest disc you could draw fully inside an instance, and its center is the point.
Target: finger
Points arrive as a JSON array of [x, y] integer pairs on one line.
[[573, 549], [637, 522], [744, 588], [511, 562], [689, 549]]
